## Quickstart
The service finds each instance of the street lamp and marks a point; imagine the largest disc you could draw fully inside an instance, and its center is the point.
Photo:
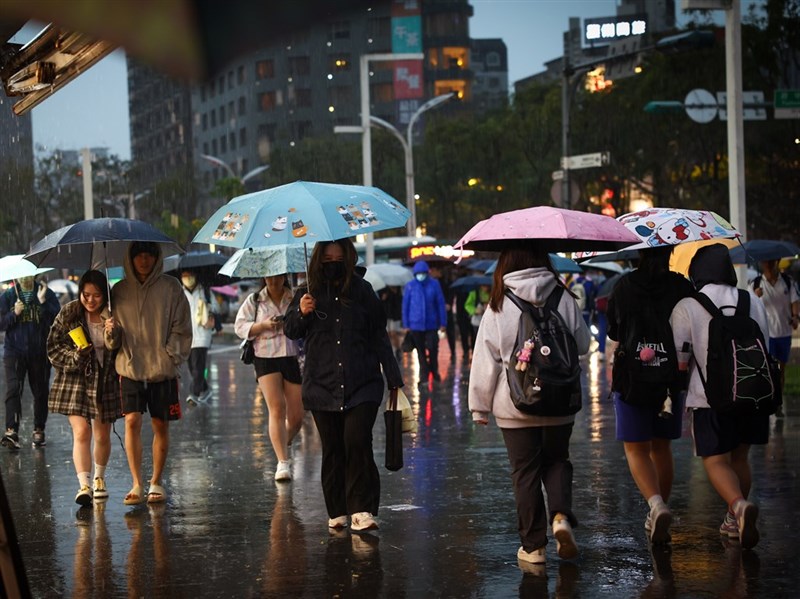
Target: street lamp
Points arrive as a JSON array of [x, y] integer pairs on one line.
[[249, 175]]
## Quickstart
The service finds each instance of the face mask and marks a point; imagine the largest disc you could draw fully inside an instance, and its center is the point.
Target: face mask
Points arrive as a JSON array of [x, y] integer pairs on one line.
[[189, 282], [333, 270], [421, 276]]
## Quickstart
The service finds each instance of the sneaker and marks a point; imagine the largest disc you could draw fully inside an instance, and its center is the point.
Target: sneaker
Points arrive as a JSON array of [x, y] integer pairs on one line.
[[729, 527], [746, 515], [204, 396], [660, 519], [537, 556], [84, 496], [283, 471], [100, 491], [362, 521], [567, 548], [38, 438], [10, 439], [191, 400], [337, 522]]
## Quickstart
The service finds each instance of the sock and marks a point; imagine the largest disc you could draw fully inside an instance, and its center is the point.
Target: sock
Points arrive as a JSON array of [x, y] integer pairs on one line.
[[84, 478], [654, 501], [99, 471]]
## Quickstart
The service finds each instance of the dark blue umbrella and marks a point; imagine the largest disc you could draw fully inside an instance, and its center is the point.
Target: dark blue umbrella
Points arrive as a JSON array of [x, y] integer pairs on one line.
[[96, 243], [560, 263], [759, 250], [471, 282]]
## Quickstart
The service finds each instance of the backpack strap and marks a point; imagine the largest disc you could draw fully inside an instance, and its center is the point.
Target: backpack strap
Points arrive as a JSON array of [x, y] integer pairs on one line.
[[550, 305], [743, 305], [710, 307]]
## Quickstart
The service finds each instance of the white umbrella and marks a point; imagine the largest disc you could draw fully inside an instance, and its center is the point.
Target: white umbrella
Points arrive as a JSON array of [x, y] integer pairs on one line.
[[16, 267], [394, 275], [374, 279], [606, 266], [268, 261]]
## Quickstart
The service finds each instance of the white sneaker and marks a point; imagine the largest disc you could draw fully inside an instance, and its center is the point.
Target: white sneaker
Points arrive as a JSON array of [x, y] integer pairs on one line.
[[337, 522], [362, 521], [537, 556], [660, 520], [283, 471], [100, 491], [567, 548], [746, 515]]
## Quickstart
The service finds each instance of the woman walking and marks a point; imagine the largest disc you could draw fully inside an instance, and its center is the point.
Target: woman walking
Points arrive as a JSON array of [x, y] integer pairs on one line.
[[85, 386], [344, 327], [260, 318]]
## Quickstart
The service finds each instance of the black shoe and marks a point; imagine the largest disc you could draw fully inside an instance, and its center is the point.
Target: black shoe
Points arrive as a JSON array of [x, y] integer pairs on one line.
[[436, 377], [38, 438], [10, 440]]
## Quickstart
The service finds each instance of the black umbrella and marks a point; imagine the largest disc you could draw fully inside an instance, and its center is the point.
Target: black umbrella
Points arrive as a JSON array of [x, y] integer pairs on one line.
[[471, 282], [759, 250], [204, 264]]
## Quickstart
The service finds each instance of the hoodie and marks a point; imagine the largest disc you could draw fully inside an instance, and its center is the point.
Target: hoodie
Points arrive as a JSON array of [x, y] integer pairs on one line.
[[154, 332], [488, 383]]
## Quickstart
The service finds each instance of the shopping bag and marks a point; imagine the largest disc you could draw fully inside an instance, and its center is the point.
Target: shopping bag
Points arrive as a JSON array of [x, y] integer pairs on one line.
[[409, 420], [393, 418]]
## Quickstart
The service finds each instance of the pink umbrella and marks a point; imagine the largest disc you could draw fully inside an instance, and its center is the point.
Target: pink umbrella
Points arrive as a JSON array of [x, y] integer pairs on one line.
[[226, 290], [547, 228]]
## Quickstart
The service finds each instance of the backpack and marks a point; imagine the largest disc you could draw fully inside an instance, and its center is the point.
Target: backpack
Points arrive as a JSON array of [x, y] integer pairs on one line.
[[543, 370], [740, 376], [217, 315], [645, 362]]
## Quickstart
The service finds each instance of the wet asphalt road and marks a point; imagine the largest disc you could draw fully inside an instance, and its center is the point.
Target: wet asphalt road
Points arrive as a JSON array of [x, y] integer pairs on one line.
[[447, 521]]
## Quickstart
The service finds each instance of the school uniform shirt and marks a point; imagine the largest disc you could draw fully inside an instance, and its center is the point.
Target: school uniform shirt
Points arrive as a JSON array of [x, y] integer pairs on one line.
[[689, 323], [272, 343], [200, 309], [488, 381], [778, 300]]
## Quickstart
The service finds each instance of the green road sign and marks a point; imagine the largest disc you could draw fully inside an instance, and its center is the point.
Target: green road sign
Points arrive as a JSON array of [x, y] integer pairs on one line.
[[787, 103]]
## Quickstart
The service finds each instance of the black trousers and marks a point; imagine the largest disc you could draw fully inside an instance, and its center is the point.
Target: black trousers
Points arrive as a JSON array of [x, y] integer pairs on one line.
[[38, 370], [539, 455], [197, 368], [350, 479], [427, 344]]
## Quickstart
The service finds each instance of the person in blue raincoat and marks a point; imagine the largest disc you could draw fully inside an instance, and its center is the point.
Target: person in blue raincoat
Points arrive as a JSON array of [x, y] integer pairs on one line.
[[424, 314]]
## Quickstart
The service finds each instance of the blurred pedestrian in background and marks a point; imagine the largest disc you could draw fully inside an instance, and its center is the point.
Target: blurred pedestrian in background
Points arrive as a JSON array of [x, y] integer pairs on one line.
[[85, 388], [203, 310], [261, 318], [424, 314]]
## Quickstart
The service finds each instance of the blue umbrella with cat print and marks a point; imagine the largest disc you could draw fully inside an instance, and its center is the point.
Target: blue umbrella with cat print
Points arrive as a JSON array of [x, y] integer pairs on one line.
[[302, 212]]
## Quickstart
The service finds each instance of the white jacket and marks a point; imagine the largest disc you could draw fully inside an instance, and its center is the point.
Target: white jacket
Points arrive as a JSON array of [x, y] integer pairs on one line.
[[488, 383], [689, 323]]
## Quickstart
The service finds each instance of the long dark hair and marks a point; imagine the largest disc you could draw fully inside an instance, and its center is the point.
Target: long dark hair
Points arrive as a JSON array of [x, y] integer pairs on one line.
[[512, 260], [98, 279], [316, 280], [655, 261]]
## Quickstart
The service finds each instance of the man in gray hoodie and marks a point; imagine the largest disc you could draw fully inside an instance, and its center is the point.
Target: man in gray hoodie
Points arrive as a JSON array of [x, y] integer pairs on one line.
[[153, 331]]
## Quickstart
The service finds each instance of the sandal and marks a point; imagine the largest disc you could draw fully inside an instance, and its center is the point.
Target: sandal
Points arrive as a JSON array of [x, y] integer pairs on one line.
[[134, 496], [156, 494]]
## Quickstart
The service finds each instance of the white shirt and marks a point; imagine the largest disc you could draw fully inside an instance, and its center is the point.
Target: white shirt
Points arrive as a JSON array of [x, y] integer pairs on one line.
[[778, 300]]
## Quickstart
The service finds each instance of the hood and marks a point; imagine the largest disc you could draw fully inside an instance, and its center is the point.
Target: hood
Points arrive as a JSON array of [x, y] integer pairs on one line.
[[130, 273], [531, 284], [712, 264], [421, 266]]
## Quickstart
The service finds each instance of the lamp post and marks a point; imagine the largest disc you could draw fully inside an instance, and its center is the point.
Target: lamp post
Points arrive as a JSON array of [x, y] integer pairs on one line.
[[366, 137], [244, 178]]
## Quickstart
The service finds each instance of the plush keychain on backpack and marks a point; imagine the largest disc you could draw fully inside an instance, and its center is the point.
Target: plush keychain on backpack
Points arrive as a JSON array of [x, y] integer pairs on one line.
[[524, 355], [647, 354]]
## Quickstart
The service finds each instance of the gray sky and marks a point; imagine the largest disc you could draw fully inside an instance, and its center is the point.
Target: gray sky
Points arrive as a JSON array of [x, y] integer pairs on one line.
[[92, 110]]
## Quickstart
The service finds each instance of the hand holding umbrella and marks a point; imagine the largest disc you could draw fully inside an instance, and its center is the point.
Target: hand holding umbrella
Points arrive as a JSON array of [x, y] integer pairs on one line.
[[307, 304]]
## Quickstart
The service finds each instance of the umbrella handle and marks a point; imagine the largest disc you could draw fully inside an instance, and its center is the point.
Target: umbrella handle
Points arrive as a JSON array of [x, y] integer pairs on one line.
[[305, 252]]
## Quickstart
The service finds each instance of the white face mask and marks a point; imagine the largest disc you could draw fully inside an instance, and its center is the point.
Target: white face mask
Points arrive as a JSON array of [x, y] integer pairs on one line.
[[421, 276], [189, 281]]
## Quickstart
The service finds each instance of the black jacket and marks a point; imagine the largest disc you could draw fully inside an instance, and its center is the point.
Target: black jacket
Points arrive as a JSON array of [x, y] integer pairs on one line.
[[345, 345]]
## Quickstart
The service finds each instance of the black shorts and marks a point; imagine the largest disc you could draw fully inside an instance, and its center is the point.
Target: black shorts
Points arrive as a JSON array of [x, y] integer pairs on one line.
[[287, 366], [160, 399], [717, 433]]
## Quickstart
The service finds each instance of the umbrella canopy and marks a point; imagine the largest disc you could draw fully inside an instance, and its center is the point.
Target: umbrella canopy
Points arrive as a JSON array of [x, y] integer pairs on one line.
[[226, 290], [560, 264], [552, 229], [64, 287], [471, 282], [96, 243], [195, 261], [374, 279], [302, 212], [611, 267], [393, 275], [658, 227], [16, 266], [254, 263], [760, 250]]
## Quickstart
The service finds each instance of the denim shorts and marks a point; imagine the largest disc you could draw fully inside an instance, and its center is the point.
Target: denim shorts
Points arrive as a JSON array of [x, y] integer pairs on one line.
[[780, 348], [717, 433], [636, 424]]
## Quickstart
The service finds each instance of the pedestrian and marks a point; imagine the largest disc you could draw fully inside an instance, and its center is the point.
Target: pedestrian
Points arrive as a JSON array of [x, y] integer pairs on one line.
[[639, 307], [537, 446], [85, 385], [260, 318], [782, 302], [346, 344], [445, 279], [722, 440], [424, 314], [476, 303], [601, 312], [152, 331], [27, 312], [203, 311]]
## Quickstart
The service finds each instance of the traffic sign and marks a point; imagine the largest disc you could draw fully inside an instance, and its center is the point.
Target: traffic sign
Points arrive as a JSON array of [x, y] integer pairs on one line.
[[558, 175], [753, 109], [787, 104], [585, 160]]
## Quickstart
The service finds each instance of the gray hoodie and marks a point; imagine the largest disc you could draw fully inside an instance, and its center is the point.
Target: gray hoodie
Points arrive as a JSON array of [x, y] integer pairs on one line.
[[154, 325], [488, 385]]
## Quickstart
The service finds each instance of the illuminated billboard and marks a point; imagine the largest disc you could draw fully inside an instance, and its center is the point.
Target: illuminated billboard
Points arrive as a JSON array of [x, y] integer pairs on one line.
[[606, 29]]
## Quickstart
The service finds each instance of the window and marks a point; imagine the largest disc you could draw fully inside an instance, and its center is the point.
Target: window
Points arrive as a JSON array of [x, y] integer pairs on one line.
[[245, 165], [340, 30], [240, 75], [493, 59], [494, 82], [213, 117], [340, 95], [205, 147], [266, 132], [205, 122], [232, 141], [221, 85], [266, 101], [304, 129], [379, 28], [214, 147], [231, 112], [242, 137], [230, 79], [299, 65], [455, 58], [202, 94], [223, 144], [221, 115], [303, 97], [265, 69], [242, 106]]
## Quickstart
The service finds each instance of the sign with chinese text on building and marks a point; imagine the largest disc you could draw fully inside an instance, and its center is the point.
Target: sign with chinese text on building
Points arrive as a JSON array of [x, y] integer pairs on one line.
[[406, 34], [407, 38], [437, 252], [407, 79]]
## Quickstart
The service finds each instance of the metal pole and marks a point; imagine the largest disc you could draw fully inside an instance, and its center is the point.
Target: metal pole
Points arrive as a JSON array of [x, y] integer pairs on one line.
[[565, 102], [366, 142], [88, 198], [411, 203]]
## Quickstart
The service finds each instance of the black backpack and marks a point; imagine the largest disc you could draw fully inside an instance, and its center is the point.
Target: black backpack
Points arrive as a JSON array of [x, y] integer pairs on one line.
[[642, 379], [217, 316], [544, 379], [741, 376]]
